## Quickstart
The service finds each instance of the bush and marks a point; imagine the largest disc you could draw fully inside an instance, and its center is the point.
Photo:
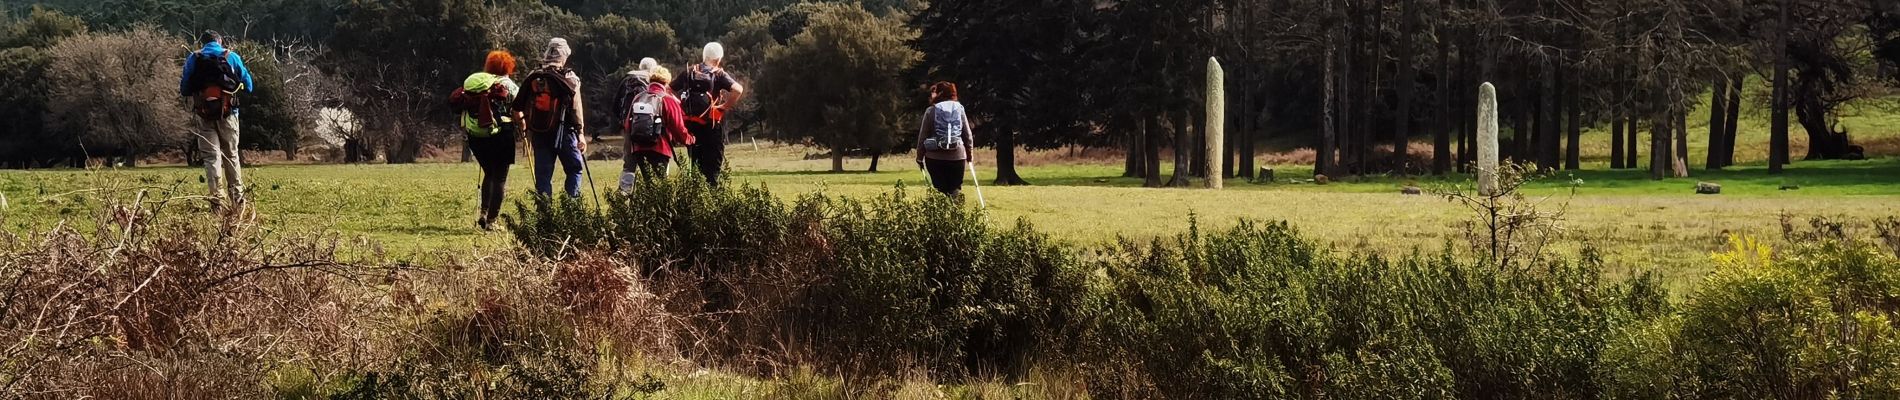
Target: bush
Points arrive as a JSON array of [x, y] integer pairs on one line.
[[1816, 321], [858, 281], [1257, 312]]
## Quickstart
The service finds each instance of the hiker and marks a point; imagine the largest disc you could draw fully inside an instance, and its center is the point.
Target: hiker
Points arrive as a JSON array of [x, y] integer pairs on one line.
[[550, 104], [944, 139], [652, 121], [482, 103], [705, 92], [213, 77]]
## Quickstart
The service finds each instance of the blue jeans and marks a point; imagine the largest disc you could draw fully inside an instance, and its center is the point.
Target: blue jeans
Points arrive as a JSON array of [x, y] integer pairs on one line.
[[547, 148]]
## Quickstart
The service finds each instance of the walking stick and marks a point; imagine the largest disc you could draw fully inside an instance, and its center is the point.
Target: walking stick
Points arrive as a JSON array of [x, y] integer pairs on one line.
[[971, 165]]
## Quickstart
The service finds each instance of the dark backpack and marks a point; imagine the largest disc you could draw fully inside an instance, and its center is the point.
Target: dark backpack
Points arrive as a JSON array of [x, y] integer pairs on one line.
[[544, 100], [698, 98], [216, 85], [644, 118]]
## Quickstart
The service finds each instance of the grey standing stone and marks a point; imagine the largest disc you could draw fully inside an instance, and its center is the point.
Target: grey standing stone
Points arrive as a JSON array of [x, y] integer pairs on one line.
[[1216, 124], [1487, 167]]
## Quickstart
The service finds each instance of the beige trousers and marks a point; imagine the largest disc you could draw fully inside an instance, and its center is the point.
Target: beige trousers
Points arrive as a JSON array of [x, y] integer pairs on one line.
[[218, 147]]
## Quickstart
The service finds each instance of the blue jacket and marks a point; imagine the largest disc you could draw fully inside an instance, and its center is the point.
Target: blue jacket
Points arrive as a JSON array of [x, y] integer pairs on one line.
[[213, 48]]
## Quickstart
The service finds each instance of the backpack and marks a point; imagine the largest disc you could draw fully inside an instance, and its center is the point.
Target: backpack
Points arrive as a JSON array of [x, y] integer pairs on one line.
[[698, 98], [643, 118], [217, 83], [480, 102], [544, 100], [947, 132]]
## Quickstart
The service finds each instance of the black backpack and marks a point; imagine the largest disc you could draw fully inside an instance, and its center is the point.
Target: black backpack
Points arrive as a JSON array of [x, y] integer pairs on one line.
[[215, 84], [698, 98]]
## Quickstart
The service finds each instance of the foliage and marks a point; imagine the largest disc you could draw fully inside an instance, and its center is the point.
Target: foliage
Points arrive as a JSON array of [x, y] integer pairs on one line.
[[400, 55], [609, 47], [115, 92], [41, 29], [839, 83], [1257, 312], [271, 120]]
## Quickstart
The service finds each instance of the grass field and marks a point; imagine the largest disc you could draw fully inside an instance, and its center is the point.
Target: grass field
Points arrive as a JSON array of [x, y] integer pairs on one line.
[[427, 209]]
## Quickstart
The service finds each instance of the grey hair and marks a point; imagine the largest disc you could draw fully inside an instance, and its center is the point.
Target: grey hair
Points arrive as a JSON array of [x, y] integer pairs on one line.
[[713, 52]]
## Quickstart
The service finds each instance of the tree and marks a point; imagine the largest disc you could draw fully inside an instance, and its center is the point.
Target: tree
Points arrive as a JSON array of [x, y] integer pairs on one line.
[[1016, 65], [614, 46], [24, 139], [116, 93], [399, 56], [271, 122], [839, 84]]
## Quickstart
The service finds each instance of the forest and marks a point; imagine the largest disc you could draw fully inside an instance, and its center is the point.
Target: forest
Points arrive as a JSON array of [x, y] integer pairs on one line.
[[1352, 79]]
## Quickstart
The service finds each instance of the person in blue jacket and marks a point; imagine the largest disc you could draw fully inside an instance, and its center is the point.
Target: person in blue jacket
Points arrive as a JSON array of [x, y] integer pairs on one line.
[[213, 77]]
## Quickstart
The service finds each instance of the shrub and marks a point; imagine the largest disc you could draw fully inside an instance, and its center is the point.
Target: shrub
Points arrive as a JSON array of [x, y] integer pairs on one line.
[[1257, 312], [1816, 321]]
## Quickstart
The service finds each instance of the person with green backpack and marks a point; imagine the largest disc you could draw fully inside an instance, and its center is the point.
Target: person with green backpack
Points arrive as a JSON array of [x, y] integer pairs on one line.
[[482, 104]]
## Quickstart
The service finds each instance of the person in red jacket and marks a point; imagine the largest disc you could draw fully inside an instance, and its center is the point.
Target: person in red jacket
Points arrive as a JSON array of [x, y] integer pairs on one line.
[[654, 124]]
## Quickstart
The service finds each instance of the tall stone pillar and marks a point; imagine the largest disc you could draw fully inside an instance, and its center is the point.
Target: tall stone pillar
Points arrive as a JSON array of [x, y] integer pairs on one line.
[[1216, 125], [1487, 168]]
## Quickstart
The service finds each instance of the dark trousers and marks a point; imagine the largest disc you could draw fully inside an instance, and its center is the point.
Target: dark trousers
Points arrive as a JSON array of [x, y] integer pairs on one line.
[[494, 154], [945, 175], [709, 152]]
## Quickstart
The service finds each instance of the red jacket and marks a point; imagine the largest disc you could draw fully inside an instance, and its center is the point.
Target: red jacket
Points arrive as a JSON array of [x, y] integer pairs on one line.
[[672, 119]]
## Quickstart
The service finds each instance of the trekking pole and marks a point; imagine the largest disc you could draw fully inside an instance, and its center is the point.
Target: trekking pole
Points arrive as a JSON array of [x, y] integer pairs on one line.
[[926, 173], [589, 171], [971, 165]]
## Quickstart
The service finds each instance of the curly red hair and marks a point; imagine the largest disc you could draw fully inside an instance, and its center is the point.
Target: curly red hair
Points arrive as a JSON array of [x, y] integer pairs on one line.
[[500, 63], [943, 91]]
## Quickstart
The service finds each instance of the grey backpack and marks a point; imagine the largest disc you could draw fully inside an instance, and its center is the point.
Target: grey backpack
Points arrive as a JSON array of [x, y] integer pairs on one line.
[[947, 133]]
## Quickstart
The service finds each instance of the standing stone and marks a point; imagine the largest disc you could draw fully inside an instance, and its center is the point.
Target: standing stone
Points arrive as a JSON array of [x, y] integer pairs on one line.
[[1216, 125], [1487, 167]]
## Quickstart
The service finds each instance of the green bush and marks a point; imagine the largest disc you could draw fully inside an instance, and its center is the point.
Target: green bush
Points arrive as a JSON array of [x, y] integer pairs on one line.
[[1816, 321], [1257, 312]]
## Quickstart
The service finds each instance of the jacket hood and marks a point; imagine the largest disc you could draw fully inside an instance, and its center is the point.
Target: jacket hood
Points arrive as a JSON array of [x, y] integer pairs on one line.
[[212, 48], [947, 105]]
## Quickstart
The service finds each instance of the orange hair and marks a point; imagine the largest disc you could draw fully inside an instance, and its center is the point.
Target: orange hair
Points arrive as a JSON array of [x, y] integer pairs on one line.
[[943, 90], [500, 63]]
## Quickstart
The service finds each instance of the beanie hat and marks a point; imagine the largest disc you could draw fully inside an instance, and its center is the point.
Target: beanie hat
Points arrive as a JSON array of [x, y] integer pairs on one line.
[[557, 52]]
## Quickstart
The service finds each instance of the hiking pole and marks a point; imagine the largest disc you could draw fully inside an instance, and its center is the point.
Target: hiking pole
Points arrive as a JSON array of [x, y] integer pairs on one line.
[[589, 171], [971, 165]]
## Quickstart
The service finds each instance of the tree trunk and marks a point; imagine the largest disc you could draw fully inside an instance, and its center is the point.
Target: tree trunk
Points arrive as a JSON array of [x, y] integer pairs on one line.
[[1679, 163], [1406, 81], [1616, 141], [1441, 127], [1183, 151], [874, 159], [1006, 160], [1197, 155], [1573, 151], [1629, 151], [1323, 162], [1811, 111], [1778, 125], [468, 153], [1132, 162], [1151, 152], [1659, 143], [1549, 118], [1718, 131], [1734, 114]]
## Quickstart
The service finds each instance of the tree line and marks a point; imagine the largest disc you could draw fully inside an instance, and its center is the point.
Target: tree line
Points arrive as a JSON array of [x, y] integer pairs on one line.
[[1353, 79]]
